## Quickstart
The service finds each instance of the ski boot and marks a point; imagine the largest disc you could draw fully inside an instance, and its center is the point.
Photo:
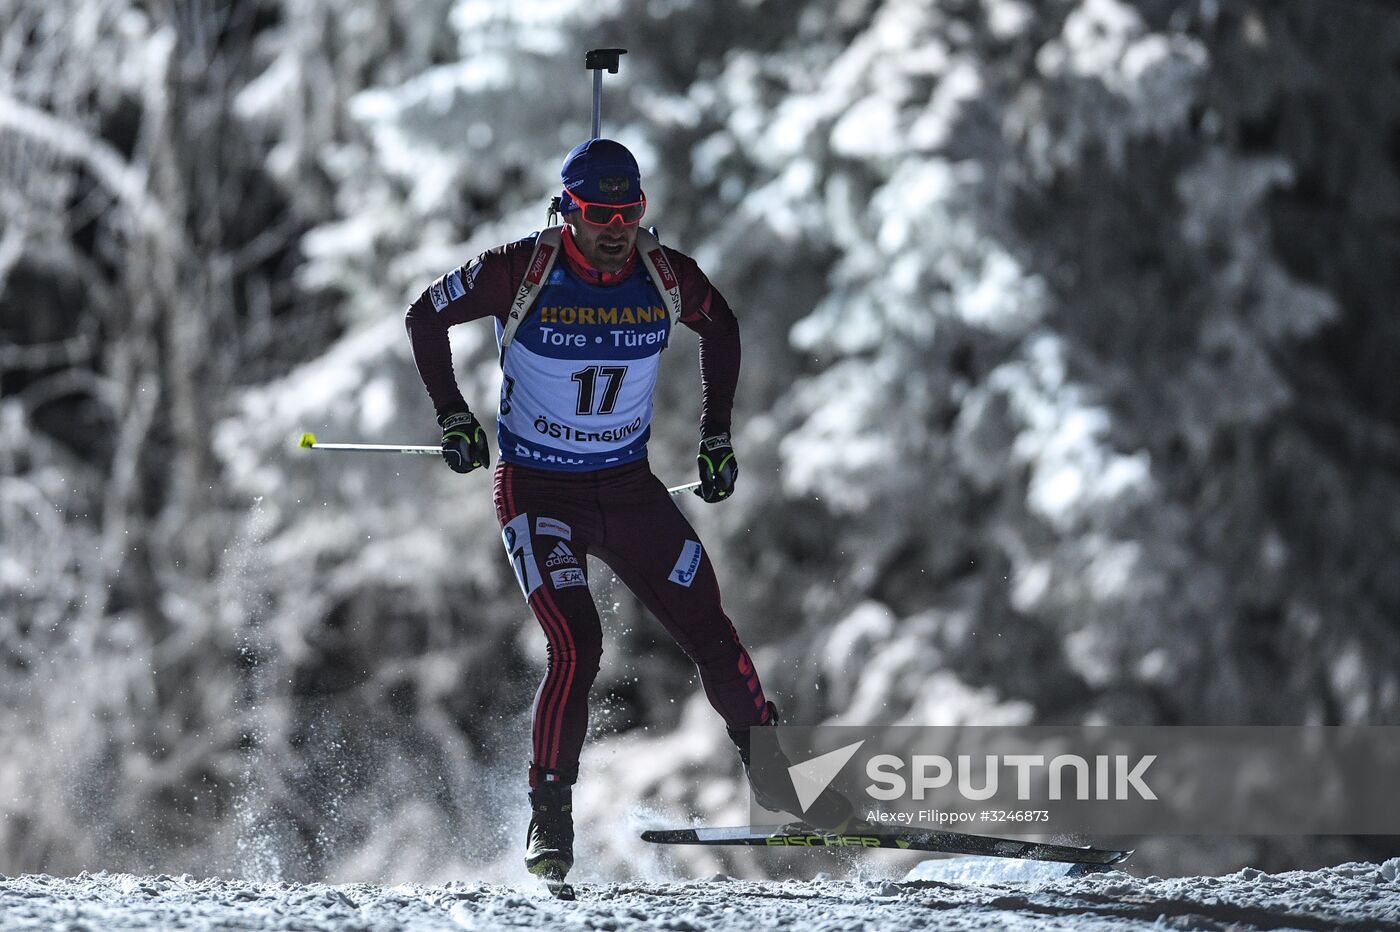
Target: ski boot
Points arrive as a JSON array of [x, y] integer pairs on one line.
[[830, 812], [549, 843]]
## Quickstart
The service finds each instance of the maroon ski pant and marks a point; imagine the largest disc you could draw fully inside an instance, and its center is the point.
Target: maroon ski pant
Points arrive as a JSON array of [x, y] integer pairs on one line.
[[550, 522]]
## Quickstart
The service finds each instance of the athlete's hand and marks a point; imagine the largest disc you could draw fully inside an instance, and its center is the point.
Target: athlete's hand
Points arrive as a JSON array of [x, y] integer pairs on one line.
[[718, 468], [464, 445]]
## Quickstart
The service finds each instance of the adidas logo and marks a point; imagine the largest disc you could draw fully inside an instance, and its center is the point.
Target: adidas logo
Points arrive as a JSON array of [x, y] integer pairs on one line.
[[561, 555]]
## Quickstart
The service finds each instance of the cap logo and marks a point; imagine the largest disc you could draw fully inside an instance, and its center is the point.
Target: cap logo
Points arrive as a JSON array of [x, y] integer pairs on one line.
[[618, 185]]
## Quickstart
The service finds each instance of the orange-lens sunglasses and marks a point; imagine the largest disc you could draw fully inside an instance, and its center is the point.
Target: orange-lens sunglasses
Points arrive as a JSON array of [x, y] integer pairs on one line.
[[600, 215]]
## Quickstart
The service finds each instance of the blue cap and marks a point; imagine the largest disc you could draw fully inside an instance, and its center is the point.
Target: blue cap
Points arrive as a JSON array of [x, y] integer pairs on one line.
[[600, 171]]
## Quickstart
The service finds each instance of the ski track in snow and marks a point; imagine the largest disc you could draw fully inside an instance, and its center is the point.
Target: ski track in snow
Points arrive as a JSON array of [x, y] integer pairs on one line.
[[1351, 896]]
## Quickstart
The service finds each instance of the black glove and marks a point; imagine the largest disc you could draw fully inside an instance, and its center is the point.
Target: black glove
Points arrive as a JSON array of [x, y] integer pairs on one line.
[[464, 444], [718, 468]]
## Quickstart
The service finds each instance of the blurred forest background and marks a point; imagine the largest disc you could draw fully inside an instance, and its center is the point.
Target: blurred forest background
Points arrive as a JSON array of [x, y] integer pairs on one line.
[[1069, 396]]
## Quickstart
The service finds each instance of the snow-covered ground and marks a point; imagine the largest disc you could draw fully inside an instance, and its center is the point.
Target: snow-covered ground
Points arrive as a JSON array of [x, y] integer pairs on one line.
[[1351, 896]]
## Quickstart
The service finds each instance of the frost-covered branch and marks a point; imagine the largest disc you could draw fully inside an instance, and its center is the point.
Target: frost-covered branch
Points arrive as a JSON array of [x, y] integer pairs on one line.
[[127, 182]]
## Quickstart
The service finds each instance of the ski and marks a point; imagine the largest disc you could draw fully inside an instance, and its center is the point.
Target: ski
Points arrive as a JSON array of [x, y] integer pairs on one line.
[[800, 836]]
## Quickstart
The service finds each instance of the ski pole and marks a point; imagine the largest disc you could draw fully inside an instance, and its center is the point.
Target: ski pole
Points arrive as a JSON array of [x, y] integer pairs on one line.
[[309, 442], [595, 60]]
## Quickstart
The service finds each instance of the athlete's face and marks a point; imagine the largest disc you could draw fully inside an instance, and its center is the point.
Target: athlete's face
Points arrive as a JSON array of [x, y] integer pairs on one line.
[[605, 247]]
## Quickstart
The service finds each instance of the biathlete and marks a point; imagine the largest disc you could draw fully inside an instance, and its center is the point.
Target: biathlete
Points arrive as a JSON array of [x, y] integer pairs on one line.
[[583, 313]]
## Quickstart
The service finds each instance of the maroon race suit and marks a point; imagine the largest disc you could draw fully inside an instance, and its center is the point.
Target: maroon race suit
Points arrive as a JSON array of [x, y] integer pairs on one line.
[[551, 519]]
